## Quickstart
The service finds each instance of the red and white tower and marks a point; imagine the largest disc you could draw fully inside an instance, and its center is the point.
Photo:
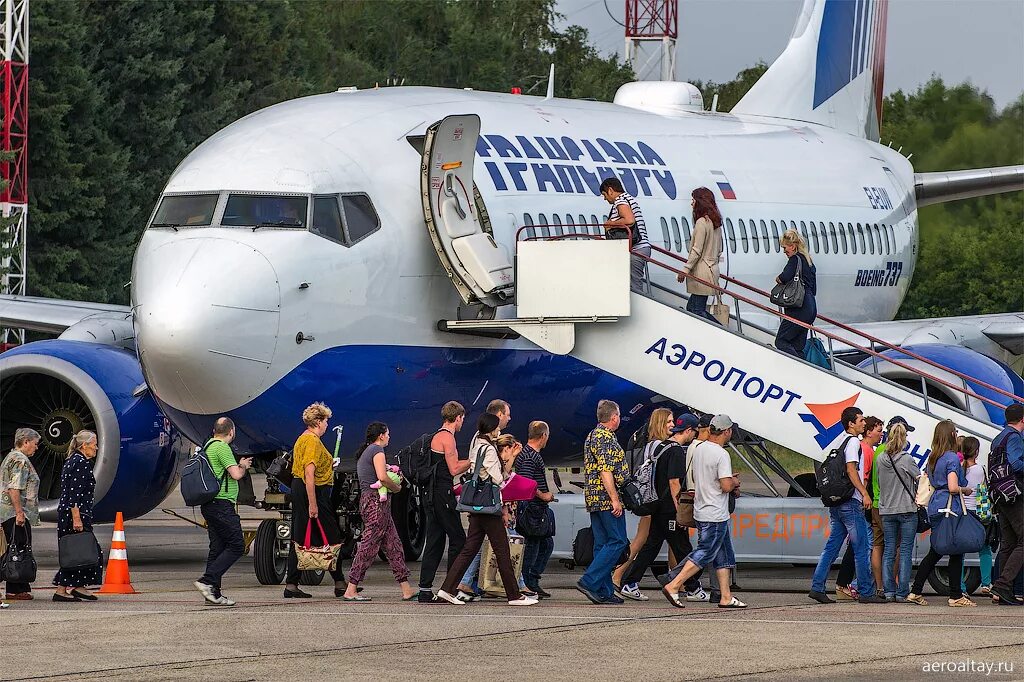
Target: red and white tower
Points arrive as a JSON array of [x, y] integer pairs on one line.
[[14, 143], [652, 21]]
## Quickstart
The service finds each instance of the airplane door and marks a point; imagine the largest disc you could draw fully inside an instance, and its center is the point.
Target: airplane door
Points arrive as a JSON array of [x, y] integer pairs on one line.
[[480, 271]]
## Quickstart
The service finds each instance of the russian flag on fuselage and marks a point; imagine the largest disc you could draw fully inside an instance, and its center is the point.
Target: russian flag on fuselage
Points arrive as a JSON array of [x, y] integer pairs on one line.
[[723, 185]]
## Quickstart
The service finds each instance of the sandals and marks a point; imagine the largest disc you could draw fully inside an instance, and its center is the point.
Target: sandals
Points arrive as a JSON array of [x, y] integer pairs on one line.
[[962, 602], [673, 598], [734, 604], [358, 598]]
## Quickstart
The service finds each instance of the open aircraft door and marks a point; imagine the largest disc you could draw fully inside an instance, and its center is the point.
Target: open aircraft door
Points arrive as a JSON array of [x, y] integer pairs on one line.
[[480, 270]]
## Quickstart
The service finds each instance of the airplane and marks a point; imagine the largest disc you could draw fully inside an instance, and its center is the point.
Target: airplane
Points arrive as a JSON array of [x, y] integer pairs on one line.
[[300, 254]]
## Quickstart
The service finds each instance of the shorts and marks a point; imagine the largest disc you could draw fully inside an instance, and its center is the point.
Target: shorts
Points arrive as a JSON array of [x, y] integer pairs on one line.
[[714, 545], [875, 521]]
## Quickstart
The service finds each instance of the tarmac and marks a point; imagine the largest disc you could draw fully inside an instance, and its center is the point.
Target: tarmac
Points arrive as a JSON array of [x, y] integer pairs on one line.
[[165, 632]]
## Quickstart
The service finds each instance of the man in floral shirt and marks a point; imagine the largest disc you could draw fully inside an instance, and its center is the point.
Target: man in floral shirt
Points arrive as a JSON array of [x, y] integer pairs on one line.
[[605, 466]]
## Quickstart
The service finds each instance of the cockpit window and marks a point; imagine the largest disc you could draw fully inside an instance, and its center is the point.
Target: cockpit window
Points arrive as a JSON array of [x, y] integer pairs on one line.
[[348, 222], [360, 218], [327, 218], [261, 210], [185, 210]]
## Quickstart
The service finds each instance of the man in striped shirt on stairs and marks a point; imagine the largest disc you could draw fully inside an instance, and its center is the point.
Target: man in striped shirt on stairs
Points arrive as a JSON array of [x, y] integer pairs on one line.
[[625, 221]]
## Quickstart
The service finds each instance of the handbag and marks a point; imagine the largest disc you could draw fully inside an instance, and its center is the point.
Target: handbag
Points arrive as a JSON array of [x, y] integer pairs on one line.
[[984, 499], [790, 294], [321, 558], [924, 490], [281, 469], [480, 496], [720, 311], [684, 510], [78, 550], [923, 522], [814, 352], [535, 520], [961, 533], [17, 565], [490, 576]]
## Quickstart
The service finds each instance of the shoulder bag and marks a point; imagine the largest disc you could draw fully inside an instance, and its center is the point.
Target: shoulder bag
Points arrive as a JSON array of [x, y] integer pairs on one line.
[[78, 550], [984, 499], [281, 469], [17, 565], [684, 508], [923, 523], [924, 490], [955, 533], [480, 496], [790, 294], [320, 558]]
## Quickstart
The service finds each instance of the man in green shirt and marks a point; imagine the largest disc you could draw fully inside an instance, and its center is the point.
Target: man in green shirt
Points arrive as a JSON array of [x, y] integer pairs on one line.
[[222, 521]]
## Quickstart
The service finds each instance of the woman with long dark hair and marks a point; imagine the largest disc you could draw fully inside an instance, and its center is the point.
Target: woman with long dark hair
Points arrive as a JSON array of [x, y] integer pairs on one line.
[[791, 338], [379, 530], [947, 477], [494, 527], [705, 250]]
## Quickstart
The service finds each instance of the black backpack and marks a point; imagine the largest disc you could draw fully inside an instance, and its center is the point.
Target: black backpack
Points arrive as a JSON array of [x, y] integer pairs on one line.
[[418, 462], [198, 483], [833, 481], [1003, 484]]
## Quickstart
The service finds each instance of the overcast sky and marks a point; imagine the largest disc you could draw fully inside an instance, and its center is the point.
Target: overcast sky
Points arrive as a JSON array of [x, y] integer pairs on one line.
[[977, 40]]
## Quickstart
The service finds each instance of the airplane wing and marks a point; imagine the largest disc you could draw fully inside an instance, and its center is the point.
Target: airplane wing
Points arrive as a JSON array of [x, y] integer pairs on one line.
[[935, 188], [53, 316]]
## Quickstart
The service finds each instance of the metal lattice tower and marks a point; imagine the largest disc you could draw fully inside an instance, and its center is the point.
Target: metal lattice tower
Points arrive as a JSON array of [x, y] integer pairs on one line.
[[14, 141], [652, 21]]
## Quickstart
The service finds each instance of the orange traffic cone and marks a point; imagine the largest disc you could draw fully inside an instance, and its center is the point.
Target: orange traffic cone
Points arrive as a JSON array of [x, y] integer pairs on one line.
[[116, 579]]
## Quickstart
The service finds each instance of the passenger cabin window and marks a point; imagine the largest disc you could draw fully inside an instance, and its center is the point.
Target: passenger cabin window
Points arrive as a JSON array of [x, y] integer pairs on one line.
[[853, 238], [871, 239], [595, 226], [860, 238], [885, 239], [835, 237], [775, 237], [542, 222], [676, 237], [664, 235], [892, 237], [732, 234], [764, 237], [556, 230], [743, 236], [185, 210], [530, 231], [687, 237], [753, 236], [265, 210], [814, 237]]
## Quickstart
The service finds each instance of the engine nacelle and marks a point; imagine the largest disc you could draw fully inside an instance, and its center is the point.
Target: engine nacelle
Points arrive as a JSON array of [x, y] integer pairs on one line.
[[60, 387], [961, 359]]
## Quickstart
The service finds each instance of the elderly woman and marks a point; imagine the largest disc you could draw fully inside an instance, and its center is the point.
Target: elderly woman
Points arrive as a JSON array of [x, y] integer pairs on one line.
[[19, 499], [74, 515], [313, 469]]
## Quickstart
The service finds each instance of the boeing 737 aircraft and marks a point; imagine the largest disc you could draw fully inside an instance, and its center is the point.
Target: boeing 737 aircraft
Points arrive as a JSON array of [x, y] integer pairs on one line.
[[315, 249]]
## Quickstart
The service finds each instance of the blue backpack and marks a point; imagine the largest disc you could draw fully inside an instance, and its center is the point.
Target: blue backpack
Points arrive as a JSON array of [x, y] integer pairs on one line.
[[198, 483]]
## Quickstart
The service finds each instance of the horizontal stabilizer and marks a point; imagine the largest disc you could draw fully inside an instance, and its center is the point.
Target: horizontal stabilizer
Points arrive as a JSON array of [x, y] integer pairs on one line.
[[935, 188]]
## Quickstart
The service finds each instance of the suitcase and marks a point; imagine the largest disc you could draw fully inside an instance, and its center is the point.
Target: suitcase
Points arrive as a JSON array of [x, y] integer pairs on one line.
[[490, 579]]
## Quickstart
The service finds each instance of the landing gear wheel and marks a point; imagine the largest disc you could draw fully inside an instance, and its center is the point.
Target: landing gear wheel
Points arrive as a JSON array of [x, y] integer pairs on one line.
[[270, 551], [410, 520], [939, 579], [311, 577]]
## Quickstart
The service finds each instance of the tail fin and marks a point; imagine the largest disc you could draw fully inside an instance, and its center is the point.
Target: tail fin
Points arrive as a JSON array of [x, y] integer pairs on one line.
[[832, 70]]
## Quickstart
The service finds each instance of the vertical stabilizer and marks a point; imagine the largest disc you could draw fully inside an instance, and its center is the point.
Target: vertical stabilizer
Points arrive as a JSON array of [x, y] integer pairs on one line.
[[832, 70]]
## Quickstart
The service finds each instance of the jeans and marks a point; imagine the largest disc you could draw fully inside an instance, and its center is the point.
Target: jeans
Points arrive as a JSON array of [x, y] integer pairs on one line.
[[609, 541], [847, 519], [535, 559], [904, 527], [226, 544], [443, 523], [985, 565], [698, 305], [714, 546], [638, 268]]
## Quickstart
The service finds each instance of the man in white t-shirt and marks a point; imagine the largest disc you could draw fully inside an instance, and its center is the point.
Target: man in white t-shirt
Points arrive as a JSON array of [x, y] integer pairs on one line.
[[847, 519], [713, 482]]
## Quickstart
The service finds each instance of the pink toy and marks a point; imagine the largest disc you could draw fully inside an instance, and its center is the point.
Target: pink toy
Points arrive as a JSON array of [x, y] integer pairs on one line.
[[395, 474]]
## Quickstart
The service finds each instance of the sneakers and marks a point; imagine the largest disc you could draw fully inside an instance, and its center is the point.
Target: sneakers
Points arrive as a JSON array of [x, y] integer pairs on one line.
[[296, 594], [916, 599], [4, 605], [821, 597], [467, 597], [207, 592], [592, 596], [961, 603], [426, 597], [451, 599], [698, 595], [873, 599], [613, 599], [632, 591], [541, 592], [522, 601], [221, 601]]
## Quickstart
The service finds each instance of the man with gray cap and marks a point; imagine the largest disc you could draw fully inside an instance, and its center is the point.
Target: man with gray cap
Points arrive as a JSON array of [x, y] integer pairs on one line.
[[714, 482]]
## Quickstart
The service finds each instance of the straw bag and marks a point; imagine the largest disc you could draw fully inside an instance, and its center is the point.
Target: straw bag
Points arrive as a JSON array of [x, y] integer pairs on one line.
[[720, 311], [322, 558]]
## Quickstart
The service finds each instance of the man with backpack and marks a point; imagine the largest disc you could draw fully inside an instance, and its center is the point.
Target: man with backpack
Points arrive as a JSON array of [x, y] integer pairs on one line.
[[222, 522], [1005, 485], [840, 480], [670, 478], [443, 522]]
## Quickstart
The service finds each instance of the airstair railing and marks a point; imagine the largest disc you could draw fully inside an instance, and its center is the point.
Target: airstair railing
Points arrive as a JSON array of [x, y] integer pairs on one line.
[[771, 310]]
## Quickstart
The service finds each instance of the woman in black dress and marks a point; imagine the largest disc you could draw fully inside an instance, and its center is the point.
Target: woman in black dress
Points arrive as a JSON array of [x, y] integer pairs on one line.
[[791, 338], [74, 515]]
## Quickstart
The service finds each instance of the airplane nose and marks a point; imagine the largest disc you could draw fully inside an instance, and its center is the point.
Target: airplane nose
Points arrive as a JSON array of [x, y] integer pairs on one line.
[[206, 322]]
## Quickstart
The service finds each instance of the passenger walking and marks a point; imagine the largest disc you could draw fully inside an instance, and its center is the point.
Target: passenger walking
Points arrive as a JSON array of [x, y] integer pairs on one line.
[[443, 522], [489, 525], [74, 515], [538, 547], [848, 520], [705, 252], [313, 469], [947, 478], [714, 483], [19, 499], [791, 338], [897, 475], [1008, 447], [604, 463], [626, 221], [222, 522], [379, 532], [975, 474], [670, 475]]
